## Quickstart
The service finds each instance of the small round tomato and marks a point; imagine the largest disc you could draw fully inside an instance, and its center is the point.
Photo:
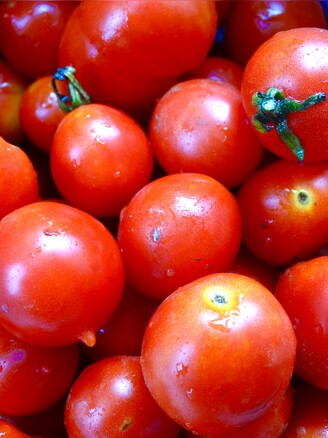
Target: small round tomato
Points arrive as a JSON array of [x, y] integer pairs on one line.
[[284, 210], [61, 274], [40, 113], [250, 23], [284, 92], [19, 184], [30, 33], [178, 228], [32, 377], [200, 126], [110, 399], [302, 290], [8, 430], [218, 352], [100, 157]]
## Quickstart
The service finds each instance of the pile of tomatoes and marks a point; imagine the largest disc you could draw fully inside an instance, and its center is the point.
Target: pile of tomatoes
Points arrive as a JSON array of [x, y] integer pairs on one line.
[[163, 219]]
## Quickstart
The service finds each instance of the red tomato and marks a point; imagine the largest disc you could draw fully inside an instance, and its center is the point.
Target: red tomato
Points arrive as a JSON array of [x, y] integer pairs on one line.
[[18, 179], [32, 377], [284, 210], [128, 53], [309, 418], [100, 157], [176, 229], [284, 92], [12, 87], [200, 126], [30, 32], [271, 424], [218, 352], [250, 23], [8, 430], [40, 113], [110, 399], [303, 290], [62, 279]]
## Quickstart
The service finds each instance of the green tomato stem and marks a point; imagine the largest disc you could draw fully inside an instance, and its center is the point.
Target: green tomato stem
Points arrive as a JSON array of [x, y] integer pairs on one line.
[[76, 97], [273, 109]]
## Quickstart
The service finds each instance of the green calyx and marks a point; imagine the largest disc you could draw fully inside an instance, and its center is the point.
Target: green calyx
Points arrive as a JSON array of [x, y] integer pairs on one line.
[[273, 109], [76, 94]]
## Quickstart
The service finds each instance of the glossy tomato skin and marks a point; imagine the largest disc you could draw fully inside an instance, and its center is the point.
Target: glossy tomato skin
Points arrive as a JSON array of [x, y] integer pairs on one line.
[[284, 210], [127, 54], [200, 126], [8, 430], [39, 113], [100, 157], [302, 291], [213, 354], [250, 23], [178, 228], [33, 378], [299, 57], [19, 183], [110, 399], [62, 279], [30, 33]]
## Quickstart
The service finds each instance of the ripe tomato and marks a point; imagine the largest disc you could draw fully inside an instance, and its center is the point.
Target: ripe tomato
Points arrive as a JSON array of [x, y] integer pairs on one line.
[[302, 290], [18, 179], [8, 430], [40, 113], [200, 126], [213, 355], [250, 23], [32, 377], [284, 92], [175, 229], [128, 53], [61, 279], [284, 210], [30, 32], [100, 157], [110, 399]]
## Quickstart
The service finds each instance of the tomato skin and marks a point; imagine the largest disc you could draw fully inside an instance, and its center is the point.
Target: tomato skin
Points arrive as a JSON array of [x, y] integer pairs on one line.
[[62, 279], [8, 430], [30, 33], [160, 40], [199, 355], [301, 50], [302, 291], [284, 210], [33, 378], [100, 157], [249, 24], [110, 399], [39, 113], [200, 126], [175, 229]]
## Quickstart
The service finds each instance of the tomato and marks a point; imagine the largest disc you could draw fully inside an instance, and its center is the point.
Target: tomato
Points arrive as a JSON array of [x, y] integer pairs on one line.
[[302, 291], [175, 229], [8, 430], [62, 279], [32, 377], [123, 333], [200, 126], [310, 414], [250, 23], [100, 157], [272, 424], [12, 87], [40, 113], [127, 54], [19, 184], [213, 355], [110, 399], [284, 211], [284, 92], [30, 32]]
